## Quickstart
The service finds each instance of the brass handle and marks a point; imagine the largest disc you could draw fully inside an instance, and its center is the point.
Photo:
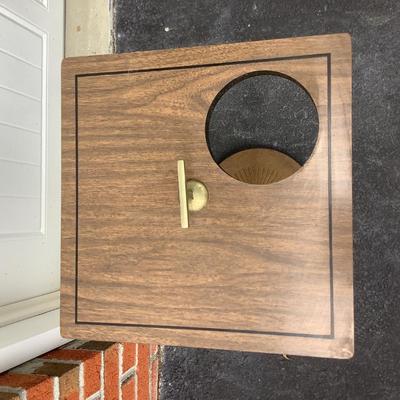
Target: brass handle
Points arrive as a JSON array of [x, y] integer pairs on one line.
[[193, 195], [183, 195]]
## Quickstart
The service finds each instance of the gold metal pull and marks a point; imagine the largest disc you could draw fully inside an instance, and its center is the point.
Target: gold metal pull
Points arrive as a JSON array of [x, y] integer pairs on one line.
[[197, 195], [182, 194], [193, 195]]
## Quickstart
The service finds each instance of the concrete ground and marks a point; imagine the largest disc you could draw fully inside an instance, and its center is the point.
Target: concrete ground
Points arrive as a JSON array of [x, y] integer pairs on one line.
[[88, 27], [374, 372]]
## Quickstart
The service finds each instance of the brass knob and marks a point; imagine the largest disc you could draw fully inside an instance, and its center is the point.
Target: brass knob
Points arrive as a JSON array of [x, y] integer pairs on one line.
[[197, 195], [193, 195]]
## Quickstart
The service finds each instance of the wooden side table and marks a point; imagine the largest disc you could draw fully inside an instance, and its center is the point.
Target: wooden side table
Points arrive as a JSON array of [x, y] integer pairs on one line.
[[263, 268]]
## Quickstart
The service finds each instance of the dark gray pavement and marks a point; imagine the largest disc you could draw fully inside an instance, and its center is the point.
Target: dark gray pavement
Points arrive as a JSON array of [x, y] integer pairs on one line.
[[374, 372]]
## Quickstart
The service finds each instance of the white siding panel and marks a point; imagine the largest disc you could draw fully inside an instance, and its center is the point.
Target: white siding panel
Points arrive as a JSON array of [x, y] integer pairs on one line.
[[43, 3], [19, 76], [21, 215], [17, 144], [17, 38], [20, 111], [31, 50], [19, 179]]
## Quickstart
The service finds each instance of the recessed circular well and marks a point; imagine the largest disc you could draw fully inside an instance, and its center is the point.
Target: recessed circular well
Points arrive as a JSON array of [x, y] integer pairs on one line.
[[262, 110]]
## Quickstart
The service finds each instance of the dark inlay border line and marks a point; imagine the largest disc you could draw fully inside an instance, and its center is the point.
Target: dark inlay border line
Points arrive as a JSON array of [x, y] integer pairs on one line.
[[192, 328]]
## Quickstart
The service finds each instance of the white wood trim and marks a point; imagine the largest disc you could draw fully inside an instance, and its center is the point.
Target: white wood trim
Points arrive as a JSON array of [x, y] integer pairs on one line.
[[27, 339], [43, 3], [29, 328], [12, 313]]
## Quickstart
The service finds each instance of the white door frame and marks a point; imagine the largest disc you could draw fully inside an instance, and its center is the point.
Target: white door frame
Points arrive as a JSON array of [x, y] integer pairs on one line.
[[29, 338], [30, 327]]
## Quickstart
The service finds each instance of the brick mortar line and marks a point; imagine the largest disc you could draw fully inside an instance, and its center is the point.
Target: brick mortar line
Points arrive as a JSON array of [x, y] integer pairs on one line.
[[136, 384], [121, 351], [81, 381], [56, 387], [95, 395], [154, 357], [102, 371], [21, 392], [58, 361], [128, 374]]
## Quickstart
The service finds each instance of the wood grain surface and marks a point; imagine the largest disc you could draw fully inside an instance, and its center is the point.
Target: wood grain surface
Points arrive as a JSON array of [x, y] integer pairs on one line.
[[260, 166], [263, 267]]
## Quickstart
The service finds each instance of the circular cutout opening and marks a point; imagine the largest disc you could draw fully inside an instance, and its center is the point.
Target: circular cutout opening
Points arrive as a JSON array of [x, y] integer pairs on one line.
[[262, 127]]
